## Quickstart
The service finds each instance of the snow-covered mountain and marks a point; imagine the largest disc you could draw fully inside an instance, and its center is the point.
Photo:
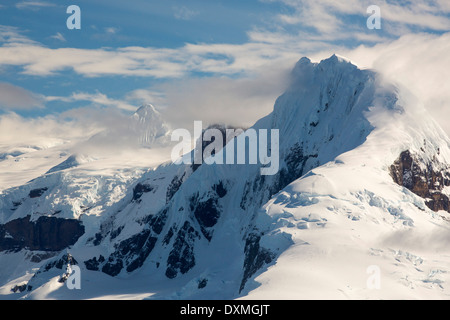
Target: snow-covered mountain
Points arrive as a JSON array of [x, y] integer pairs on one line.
[[362, 187], [149, 126]]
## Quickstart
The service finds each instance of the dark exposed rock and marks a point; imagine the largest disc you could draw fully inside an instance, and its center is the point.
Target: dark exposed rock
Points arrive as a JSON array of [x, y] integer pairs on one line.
[[207, 214], [105, 229], [411, 172], [295, 162], [220, 189], [142, 254], [17, 203], [169, 236], [113, 267], [115, 233], [255, 257], [202, 283], [175, 184], [199, 149], [45, 234], [139, 190], [132, 252], [19, 288], [98, 237], [94, 263], [61, 263], [36, 193], [182, 258]]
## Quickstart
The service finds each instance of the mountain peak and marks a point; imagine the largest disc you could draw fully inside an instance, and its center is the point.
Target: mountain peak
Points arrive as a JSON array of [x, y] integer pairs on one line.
[[149, 124], [335, 58], [146, 110], [336, 62]]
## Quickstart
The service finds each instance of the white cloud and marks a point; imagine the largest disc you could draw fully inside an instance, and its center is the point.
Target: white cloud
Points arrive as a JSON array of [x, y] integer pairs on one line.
[[12, 36], [58, 36], [239, 102], [110, 127], [17, 131], [144, 96], [184, 13], [320, 25], [435, 240], [35, 59], [97, 98], [111, 30], [17, 98], [337, 18], [33, 5], [331, 21], [419, 62]]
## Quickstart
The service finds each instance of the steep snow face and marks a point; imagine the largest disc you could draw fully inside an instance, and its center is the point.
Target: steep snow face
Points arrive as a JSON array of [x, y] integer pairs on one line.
[[326, 102], [310, 231]]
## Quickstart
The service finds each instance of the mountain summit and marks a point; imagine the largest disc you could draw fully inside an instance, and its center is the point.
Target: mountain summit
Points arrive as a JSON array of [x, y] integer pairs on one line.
[[149, 125]]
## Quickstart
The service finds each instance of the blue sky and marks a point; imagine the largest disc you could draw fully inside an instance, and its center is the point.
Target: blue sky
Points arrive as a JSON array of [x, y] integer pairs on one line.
[[116, 24], [128, 53]]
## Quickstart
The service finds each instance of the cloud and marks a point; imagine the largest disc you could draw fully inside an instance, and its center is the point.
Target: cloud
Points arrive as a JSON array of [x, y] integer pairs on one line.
[[437, 240], [184, 13], [329, 17], [58, 36], [111, 30], [97, 98], [144, 96], [10, 35], [92, 130], [38, 60], [310, 26], [239, 102], [33, 5], [17, 98], [19, 131], [420, 63]]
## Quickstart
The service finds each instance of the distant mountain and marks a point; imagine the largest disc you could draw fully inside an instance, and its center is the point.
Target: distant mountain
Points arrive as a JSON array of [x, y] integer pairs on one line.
[[149, 126]]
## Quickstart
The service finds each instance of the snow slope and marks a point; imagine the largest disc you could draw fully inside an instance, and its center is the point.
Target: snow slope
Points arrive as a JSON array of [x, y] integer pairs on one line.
[[331, 214]]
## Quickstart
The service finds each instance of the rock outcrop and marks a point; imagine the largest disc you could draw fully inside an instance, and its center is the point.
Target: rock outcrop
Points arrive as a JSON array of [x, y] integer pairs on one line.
[[44, 234], [423, 178]]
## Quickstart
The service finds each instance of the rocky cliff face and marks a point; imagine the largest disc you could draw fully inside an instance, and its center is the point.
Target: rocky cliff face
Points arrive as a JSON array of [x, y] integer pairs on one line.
[[426, 179], [44, 234]]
